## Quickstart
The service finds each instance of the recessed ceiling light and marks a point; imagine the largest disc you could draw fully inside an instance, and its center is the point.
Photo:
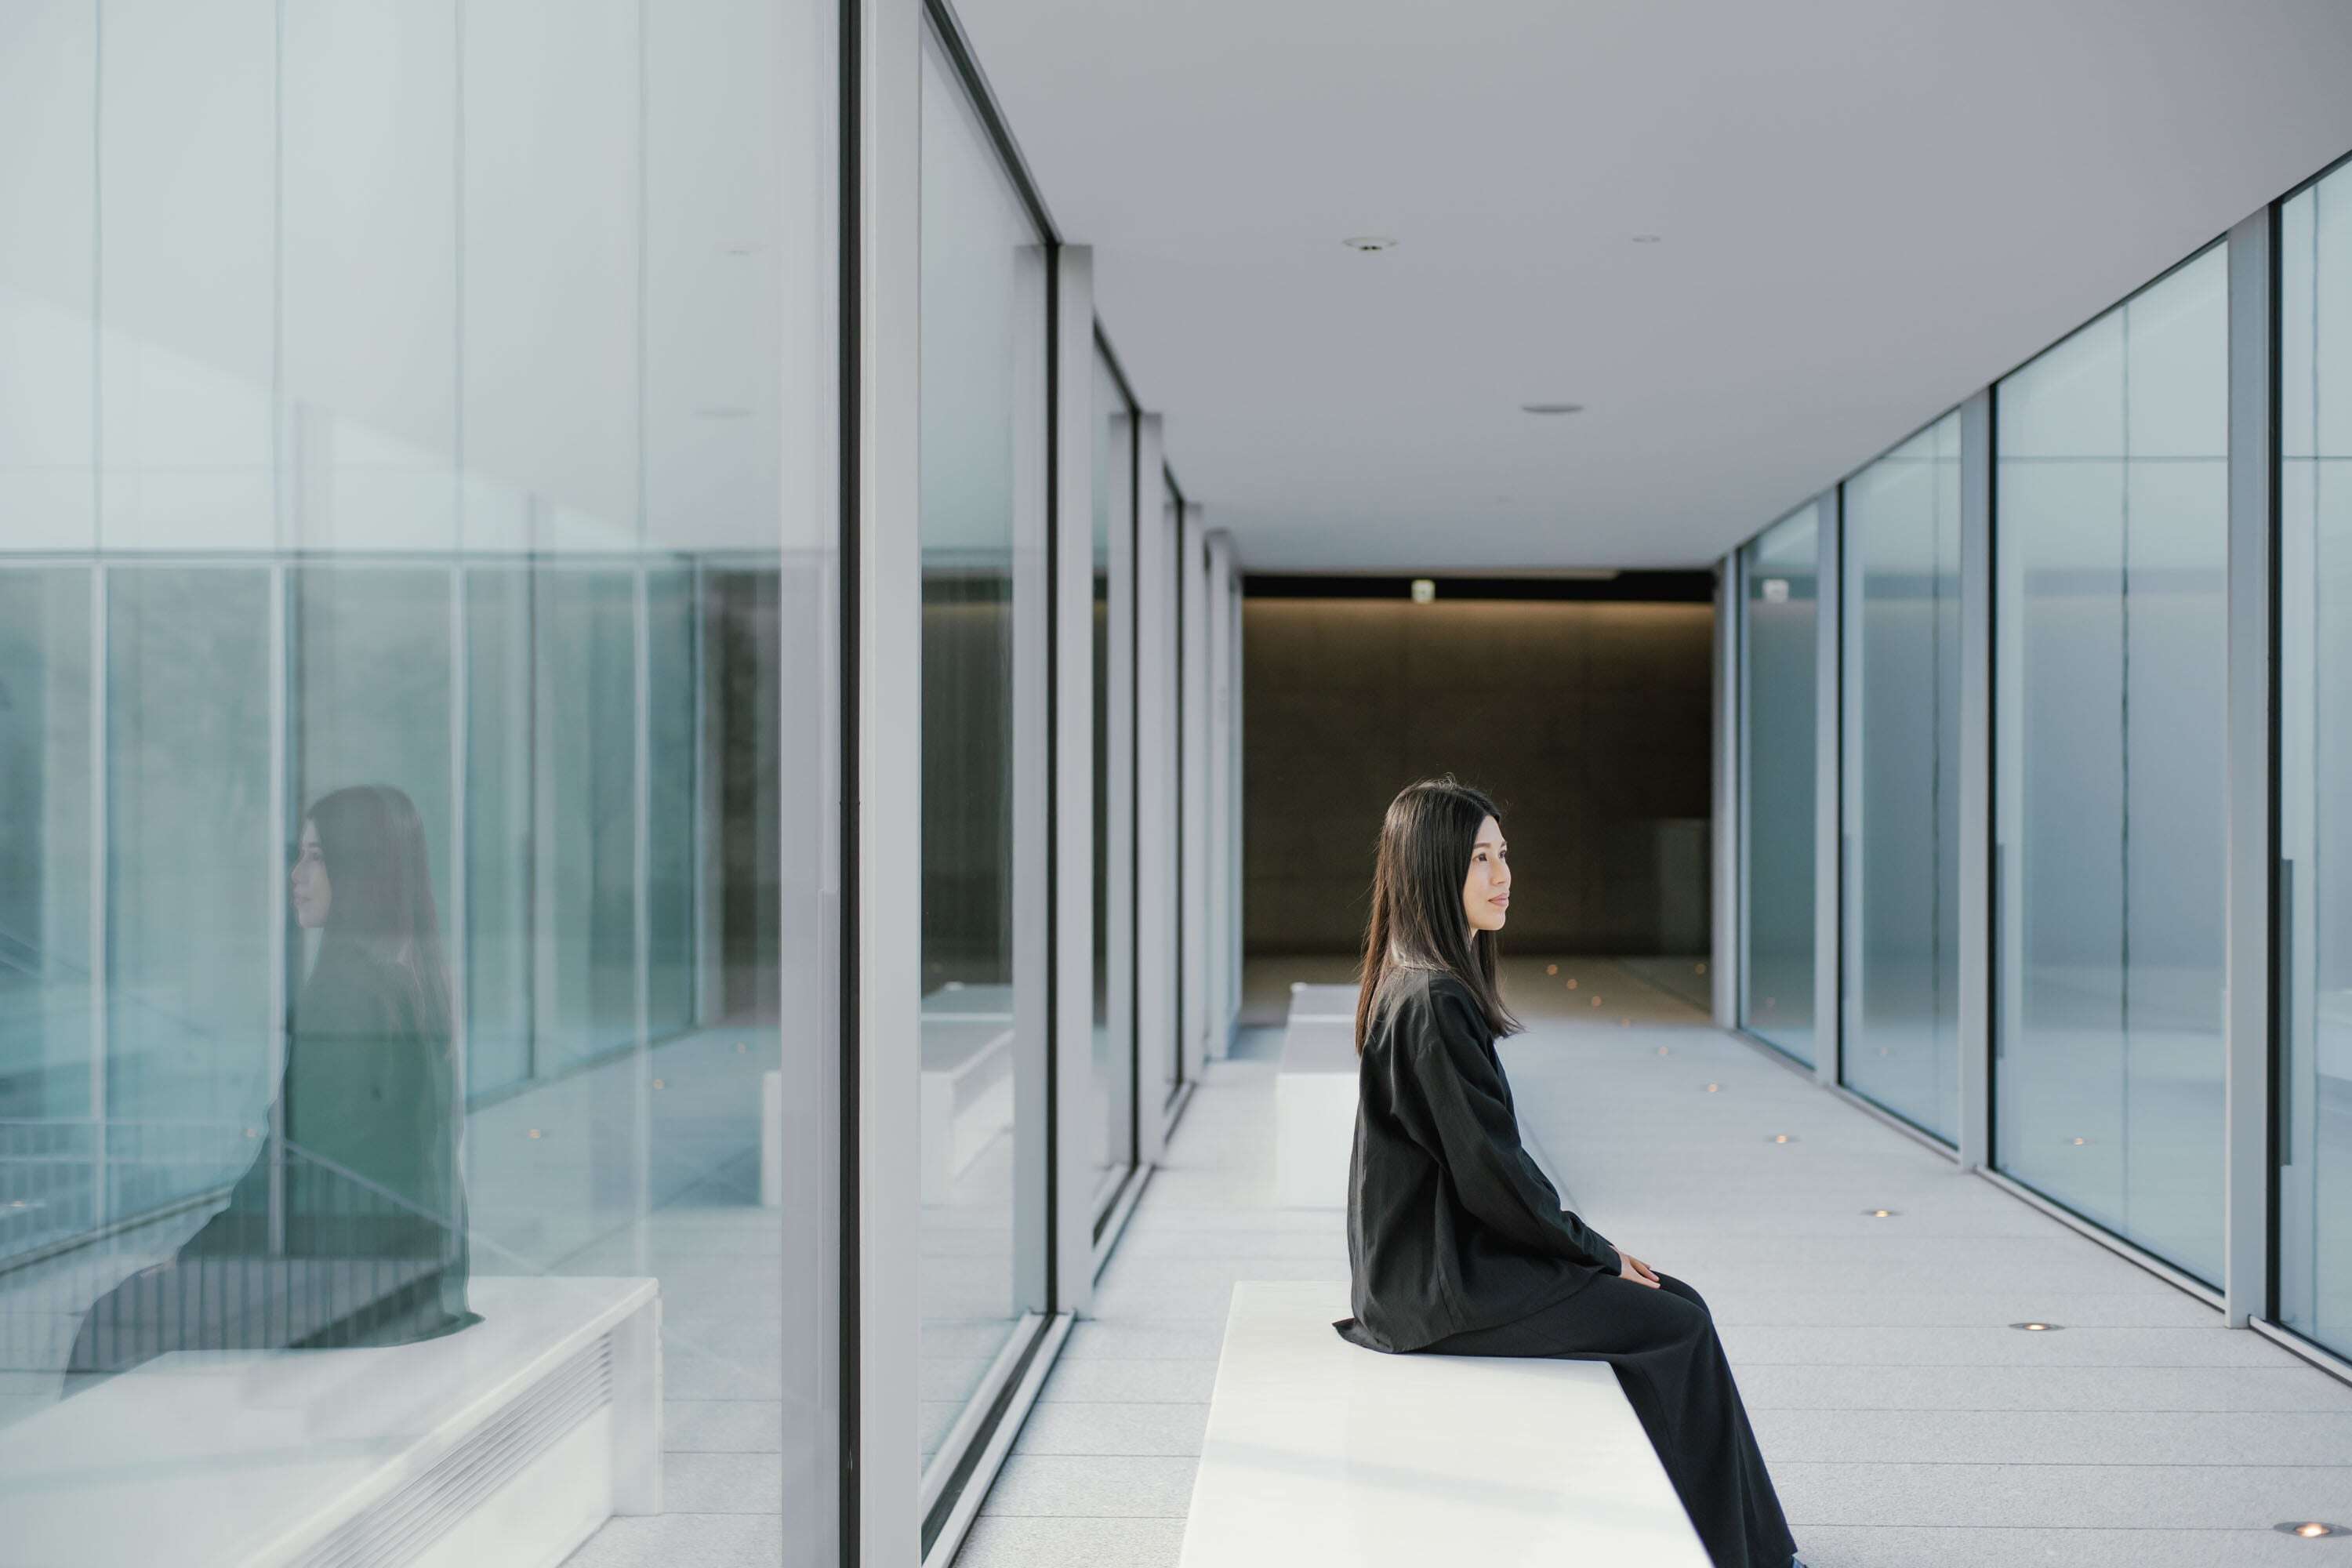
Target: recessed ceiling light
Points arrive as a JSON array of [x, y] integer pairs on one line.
[[2038, 1328], [1880, 1214], [1648, 238], [1369, 242], [1553, 407], [2309, 1528]]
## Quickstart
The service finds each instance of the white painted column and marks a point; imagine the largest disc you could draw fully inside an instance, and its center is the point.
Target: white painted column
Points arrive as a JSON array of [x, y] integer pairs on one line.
[[1119, 844], [1155, 791], [1071, 810], [1977, 910], [1828, 828], [887, 594], [1216, 938], [1723, 964], [2252, 865], [1236, 835], [1193, 785], [1033, 773]]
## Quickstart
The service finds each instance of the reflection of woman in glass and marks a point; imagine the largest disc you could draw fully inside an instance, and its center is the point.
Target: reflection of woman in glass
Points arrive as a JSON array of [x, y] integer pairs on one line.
[[371, 1106], [365, 1241]]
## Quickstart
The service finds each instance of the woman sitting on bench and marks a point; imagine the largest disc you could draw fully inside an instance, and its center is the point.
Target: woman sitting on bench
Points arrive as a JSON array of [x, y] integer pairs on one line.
[[1456, 1242]]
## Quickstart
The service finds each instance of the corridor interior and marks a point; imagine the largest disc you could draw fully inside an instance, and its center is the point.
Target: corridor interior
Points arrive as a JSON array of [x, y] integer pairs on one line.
[[1908, 1423]]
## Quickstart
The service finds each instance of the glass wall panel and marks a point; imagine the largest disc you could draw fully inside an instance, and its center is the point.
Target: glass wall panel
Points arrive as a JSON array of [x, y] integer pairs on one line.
[[1779, 697], [2314, 1125], [584, 712], [500, 756], [47, 1012], [2110, 503], [983, 315], [1901, 630], [190, 997], [395, 727], [1110, 1120]]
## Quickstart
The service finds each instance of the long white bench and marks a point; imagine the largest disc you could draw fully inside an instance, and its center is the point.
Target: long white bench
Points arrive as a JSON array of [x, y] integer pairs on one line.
[[1321, 1451], [967, 1096], [1315, 1101], [506, 1443], [966, 1105], [1315, 1098]]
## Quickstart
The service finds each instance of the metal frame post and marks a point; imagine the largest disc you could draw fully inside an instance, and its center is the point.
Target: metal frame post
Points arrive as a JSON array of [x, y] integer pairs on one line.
[[2251, 898]]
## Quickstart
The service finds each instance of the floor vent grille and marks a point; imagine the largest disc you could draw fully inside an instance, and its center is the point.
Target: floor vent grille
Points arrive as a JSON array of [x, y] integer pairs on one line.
[[395, 1529]]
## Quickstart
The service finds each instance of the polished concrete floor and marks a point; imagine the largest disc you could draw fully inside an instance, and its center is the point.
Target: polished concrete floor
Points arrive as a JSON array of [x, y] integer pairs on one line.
[[1906, 1423]]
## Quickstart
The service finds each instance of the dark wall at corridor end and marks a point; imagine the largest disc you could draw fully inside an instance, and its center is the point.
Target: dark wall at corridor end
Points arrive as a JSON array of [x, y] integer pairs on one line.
[[1588, 722]]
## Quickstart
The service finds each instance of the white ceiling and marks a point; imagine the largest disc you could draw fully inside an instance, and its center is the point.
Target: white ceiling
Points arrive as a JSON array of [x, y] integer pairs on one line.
[[1867, 208]]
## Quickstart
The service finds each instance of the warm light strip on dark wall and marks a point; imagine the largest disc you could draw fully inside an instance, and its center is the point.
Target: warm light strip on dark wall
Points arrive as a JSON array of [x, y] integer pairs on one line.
[[1623, 587]]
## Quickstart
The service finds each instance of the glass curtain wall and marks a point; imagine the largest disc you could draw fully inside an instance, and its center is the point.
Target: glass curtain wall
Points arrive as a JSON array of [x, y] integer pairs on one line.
[[982, 679], [1110, 1115], [2313, 1131], [2111, 511], [414, 621], [1778, 704], [1901, 692]]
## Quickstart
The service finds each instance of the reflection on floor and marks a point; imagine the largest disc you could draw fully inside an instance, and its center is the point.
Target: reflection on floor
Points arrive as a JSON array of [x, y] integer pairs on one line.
[[1906, 1423]]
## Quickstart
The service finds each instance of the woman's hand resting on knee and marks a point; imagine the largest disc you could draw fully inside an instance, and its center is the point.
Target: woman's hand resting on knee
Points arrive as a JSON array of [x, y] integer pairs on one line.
[[1639, 1272]]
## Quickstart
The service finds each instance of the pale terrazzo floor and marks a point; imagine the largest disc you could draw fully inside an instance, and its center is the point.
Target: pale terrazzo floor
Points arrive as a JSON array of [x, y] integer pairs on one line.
[[1905, 1424]]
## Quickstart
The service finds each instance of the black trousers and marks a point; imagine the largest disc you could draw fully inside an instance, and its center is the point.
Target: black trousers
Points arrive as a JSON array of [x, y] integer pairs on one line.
[[1662, 1341]]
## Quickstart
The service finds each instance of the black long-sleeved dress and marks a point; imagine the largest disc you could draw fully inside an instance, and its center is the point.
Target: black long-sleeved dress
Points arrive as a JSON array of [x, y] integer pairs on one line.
[[1458, 1245]]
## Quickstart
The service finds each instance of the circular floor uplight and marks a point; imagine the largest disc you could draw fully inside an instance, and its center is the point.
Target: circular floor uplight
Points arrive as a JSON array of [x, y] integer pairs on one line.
[[2309, 1528], [1661, 1050], [1551, 969], [1571, 982], [1784, 1138], [1713, 1087], [1596, 1000], [2037, 1327], [1368, 243]]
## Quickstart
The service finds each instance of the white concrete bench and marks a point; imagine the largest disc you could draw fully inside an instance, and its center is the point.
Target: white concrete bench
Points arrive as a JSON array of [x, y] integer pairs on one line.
[[509, 1442], [967, 1103], [1315, 1101], [1315, 1098], [1321, 1451], [967, 1096]]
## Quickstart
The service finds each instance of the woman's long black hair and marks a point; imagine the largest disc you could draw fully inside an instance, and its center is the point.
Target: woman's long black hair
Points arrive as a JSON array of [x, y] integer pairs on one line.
[[380, 898], [1417, 918]]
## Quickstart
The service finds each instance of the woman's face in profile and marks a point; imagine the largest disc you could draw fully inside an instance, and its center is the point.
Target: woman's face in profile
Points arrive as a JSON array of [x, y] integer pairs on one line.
[[1486, 891], [311, 892]]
